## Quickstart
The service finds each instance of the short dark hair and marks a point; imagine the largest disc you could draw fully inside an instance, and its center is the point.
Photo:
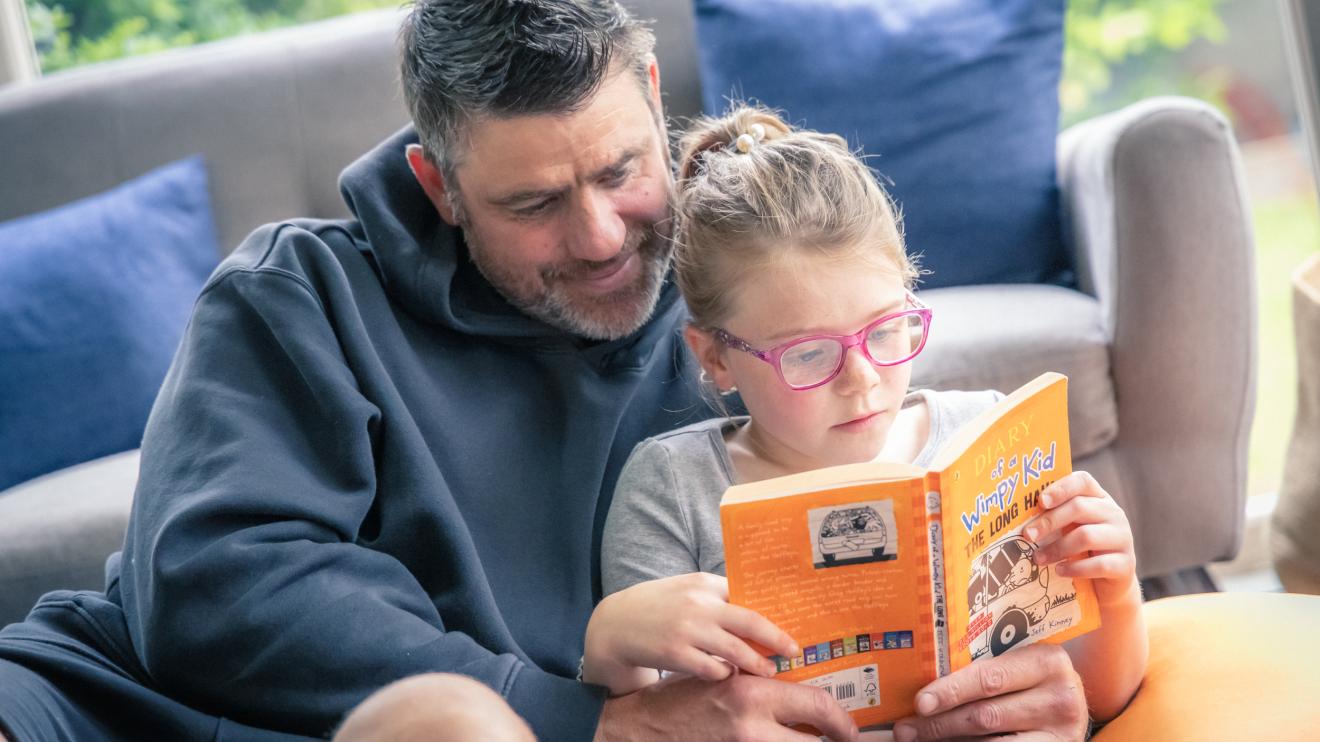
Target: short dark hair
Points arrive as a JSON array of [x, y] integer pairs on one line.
[[467, 58]]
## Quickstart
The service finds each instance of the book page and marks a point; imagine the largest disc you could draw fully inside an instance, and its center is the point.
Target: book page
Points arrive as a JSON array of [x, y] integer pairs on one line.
[[845, 572], [998, 598]]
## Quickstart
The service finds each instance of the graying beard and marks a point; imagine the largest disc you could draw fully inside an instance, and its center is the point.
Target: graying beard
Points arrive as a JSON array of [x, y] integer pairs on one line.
[[555, 310]]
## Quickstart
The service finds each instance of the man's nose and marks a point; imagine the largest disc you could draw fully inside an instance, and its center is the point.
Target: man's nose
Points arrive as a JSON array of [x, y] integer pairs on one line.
[[858, 373], [597, 232]]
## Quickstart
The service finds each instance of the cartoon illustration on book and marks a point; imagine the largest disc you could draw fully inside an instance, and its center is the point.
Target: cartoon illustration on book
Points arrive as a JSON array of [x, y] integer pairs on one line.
[[854, 534], [1008, 595]]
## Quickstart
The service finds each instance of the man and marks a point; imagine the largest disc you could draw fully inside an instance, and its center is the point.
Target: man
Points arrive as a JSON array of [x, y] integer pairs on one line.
[[387, 445]]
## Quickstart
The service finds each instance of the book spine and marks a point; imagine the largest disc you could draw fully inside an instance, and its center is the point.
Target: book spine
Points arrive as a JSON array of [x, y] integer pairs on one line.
[[938, 603]]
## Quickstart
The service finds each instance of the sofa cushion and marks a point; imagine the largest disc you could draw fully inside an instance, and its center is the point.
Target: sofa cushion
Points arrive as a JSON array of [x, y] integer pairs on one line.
[[57, 530], [1226, 666], [957, 101], [1001, 337], [94, 296]]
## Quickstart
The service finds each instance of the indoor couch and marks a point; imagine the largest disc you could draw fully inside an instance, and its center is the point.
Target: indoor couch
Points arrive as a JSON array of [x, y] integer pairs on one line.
[[1161, 370]]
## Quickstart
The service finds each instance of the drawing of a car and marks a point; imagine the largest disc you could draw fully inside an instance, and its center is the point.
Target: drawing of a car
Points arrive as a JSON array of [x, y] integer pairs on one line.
[[1009, 587], [852, 532]]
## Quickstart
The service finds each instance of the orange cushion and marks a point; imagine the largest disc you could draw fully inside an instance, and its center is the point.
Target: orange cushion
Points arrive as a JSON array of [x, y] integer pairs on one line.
[[1231, 666]]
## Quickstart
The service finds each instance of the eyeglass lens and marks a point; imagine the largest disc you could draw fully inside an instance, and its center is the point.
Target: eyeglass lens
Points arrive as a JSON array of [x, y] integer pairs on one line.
[[814, 361]]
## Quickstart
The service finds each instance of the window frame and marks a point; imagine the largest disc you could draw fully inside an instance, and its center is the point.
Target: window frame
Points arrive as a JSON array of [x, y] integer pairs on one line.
[[18, 54], [1301, 31]]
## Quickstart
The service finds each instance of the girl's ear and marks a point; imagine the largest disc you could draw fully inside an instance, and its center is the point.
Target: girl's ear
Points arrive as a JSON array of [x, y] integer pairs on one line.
[[709, 352]]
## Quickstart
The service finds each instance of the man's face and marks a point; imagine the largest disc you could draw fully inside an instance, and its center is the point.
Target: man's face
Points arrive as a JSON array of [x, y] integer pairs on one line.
[[567, 215]]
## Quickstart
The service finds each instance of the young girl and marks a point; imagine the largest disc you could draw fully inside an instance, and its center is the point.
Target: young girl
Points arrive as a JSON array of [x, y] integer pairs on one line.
[[792, 263]]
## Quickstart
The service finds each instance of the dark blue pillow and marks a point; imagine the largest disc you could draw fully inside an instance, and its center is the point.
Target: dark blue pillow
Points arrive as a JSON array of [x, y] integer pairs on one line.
[[94, 296], [957, 101]]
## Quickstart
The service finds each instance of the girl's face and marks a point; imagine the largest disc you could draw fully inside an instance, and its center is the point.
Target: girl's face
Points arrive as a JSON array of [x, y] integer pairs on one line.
[[844, 421]]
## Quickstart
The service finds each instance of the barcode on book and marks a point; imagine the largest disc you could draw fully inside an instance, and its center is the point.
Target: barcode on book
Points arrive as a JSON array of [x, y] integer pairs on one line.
[[854, 688]]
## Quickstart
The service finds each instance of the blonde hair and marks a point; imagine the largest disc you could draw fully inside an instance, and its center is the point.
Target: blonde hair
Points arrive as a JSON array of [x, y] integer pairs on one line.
[[788, 193]]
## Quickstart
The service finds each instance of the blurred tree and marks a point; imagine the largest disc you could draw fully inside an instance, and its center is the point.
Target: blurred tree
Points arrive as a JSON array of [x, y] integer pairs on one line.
[[1101, 35], [69, 33]]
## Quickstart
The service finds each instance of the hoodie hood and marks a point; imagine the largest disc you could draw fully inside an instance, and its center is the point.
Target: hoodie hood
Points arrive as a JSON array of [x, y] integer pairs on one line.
[[424, 262]]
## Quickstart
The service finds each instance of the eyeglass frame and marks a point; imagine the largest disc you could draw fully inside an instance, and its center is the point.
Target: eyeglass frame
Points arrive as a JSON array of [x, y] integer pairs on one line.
[[772, 355]]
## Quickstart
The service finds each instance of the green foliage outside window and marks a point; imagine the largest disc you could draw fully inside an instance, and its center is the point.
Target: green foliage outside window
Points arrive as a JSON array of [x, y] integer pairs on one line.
[[1101, 36], [69, 33]]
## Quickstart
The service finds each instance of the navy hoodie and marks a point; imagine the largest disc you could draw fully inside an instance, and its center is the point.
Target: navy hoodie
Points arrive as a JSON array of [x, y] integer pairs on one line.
[[365, 464]]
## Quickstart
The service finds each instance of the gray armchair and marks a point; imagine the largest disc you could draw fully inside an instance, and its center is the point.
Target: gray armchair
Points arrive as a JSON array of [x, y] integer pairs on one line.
[[1157, 340]]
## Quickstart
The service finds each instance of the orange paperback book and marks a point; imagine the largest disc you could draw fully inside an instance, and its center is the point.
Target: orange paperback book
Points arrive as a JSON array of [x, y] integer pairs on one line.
[[889, 575]]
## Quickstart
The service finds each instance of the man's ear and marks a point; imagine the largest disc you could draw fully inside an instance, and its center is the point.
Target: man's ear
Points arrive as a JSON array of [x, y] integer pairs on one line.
[[653, 89], [432, 182], [653, 73], [709, 352]]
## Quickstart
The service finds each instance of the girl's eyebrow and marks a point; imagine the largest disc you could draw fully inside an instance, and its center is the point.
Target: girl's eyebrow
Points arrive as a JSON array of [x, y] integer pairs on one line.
[[781, 337]]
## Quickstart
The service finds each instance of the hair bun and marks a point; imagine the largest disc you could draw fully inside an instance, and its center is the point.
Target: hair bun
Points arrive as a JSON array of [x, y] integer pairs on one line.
[[737, 132]]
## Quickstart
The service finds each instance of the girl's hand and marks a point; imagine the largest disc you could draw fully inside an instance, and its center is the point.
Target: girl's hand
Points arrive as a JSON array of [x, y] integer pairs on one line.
[[682, 623], [1084, 533]]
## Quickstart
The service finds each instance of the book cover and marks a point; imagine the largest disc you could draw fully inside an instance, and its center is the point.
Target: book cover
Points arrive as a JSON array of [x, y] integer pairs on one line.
[[888, 575]]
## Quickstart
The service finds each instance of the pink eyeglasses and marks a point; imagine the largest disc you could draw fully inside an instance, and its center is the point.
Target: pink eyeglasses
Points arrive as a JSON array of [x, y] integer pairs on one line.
[[808, 362]]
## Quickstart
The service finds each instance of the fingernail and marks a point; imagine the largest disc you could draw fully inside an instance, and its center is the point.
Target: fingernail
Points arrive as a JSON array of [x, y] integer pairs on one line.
[[794, 650], [904, 733], [1047, 501], [1030, 533], [927, 703]]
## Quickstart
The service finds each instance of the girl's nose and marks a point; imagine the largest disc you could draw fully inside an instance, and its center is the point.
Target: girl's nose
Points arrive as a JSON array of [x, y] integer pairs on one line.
[[858, 373]]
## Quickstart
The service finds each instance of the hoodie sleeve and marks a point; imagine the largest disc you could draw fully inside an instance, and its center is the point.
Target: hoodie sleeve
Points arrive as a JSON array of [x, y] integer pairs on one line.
[[246, 591]]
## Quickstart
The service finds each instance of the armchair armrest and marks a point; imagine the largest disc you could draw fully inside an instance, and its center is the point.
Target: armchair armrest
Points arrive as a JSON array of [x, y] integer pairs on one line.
[[1155, 210]]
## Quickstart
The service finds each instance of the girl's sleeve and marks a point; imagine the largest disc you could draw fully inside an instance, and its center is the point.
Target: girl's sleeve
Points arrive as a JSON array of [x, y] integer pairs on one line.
[[647, 533]]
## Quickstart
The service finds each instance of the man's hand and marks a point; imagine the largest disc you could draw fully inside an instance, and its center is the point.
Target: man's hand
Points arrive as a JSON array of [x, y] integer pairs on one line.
[[742, 707], [682, 623], [1031, 693]]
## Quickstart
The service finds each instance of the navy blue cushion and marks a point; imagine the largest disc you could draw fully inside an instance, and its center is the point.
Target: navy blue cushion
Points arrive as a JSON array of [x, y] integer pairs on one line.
[[957, 100], [94, 296]]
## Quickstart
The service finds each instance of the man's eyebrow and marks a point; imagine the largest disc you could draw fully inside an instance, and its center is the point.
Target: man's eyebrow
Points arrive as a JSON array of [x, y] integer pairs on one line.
[[531, 194], [621, 162]]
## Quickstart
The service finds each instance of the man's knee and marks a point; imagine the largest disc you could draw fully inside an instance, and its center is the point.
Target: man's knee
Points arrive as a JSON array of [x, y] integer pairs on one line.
[[437, 707]]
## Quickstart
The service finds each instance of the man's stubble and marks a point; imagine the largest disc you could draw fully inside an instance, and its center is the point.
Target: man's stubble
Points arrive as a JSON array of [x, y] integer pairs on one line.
[[550, 299]]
